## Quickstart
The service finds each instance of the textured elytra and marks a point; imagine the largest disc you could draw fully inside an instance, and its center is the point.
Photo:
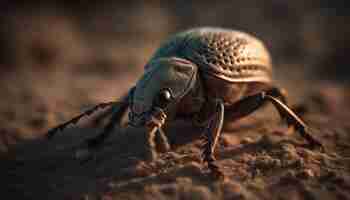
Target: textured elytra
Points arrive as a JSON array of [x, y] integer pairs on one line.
[[228, 54]]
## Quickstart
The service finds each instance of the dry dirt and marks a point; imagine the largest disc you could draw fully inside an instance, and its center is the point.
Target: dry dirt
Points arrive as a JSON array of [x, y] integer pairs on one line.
[[259, 156], [60, 58]]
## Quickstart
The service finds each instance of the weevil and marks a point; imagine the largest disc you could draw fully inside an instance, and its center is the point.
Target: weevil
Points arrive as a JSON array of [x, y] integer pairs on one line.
[[204, 74]]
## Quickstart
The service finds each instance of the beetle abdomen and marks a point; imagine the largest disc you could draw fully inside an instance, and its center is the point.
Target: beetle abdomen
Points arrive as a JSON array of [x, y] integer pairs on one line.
[[227, 54]]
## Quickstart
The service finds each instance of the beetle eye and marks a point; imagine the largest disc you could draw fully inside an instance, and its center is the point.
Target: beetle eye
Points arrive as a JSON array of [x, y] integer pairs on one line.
[[165, 95], [164, 98]]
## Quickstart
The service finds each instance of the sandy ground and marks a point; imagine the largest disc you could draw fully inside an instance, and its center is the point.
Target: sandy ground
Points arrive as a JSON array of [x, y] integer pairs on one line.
[[59, 59], [259, 156]]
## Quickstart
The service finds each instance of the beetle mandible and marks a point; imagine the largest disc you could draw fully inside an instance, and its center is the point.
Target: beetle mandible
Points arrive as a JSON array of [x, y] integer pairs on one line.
[[205, 74]]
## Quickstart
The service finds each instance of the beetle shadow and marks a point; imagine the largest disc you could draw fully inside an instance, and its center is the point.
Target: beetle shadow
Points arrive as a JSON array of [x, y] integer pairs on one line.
[[41, 169], [48, 169]]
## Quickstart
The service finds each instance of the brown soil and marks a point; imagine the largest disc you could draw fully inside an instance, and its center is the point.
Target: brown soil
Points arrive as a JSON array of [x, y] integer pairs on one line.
[[260, 157], [58, 59]]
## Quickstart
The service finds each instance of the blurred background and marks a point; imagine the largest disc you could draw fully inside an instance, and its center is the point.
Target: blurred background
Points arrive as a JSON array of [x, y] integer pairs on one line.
[[59, 58]]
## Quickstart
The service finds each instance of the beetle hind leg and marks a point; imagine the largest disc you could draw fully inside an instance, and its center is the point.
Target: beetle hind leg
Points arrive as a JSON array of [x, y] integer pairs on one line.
[[294, 121], [277, 97]]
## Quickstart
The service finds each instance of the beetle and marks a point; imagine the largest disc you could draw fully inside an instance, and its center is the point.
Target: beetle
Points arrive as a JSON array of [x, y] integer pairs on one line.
[[205, 74]]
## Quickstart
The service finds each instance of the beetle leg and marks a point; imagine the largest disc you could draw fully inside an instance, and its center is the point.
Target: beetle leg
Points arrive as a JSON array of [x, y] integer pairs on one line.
[[115, 119], [213, 131], [251, 103], [293, 120], [151, 145], [153, 126], [163, 140], [121, 105], [52, 132], [84, 151]]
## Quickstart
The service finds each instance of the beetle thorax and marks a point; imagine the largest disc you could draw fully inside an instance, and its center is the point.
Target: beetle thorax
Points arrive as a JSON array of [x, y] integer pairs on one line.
[[173, 74]]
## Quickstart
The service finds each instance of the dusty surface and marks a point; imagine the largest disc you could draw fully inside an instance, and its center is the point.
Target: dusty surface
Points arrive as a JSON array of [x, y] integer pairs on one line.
[[259, 156], [59, 60]]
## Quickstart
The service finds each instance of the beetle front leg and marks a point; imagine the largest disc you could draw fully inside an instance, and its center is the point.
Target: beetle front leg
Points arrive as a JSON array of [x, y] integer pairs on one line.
[[153, 127], [115, 119], [52, 132], [118, 110], [212, 134], [84, 152], [163, 141]]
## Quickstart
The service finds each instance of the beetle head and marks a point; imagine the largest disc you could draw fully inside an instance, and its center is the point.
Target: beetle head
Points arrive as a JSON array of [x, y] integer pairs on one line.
[[165, 81]]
